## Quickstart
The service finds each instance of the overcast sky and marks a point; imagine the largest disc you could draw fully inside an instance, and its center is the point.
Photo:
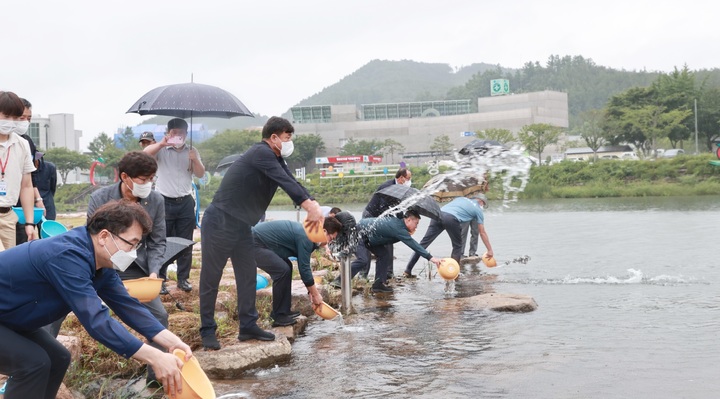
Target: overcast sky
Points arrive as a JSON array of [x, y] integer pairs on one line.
[[94, 59]]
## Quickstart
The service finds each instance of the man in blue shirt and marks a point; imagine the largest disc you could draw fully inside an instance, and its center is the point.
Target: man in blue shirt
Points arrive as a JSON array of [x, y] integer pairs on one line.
[[45, 279], [275, 242], [452, 216], [243, 197], [375, 234]]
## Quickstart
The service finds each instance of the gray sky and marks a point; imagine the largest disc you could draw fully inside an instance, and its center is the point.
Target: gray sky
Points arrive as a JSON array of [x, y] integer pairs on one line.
[[94, 59]]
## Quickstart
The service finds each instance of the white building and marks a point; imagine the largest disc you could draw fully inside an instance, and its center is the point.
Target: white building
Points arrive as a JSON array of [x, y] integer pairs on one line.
[[57, 130]]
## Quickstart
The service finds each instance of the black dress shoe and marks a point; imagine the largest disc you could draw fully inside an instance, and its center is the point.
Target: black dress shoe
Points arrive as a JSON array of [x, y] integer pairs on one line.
[[335, 283], [210, 342], [379, 287], [255, 332], [184, 285], [294, 315], [163, 289], [282, 321]]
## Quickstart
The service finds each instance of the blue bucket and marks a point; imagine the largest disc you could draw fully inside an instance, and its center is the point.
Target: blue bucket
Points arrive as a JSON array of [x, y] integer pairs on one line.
[[52, 228], [37, 214], [260, 282]]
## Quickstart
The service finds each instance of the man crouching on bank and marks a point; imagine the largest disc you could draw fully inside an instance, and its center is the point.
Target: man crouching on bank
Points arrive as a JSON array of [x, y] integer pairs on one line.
[[42, 280]]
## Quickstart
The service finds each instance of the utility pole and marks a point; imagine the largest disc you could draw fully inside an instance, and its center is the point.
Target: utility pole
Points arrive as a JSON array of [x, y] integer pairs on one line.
[[696, 130]]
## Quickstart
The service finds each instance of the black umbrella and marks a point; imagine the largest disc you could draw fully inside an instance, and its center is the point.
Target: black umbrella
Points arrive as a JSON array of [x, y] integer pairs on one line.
[[448, 186], [175, 247], [412, 198], [226, 162], [185, 100], [479, 146]]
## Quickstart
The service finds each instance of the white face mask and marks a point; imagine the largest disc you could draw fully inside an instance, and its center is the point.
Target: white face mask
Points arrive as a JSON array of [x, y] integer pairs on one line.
[[21, 127], [7, 126], [121, 260], [141, 190], [286, 148], [407, 183]]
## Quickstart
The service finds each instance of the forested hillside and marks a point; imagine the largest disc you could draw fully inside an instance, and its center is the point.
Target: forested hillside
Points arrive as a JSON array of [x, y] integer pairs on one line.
[[589, 86], [395, 81]]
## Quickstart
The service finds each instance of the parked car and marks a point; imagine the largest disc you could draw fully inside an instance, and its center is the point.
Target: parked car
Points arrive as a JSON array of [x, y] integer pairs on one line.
[[629, 155], [673, 152]]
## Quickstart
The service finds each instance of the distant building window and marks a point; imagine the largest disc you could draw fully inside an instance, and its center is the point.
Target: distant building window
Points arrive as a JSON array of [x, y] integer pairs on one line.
[[421, 109], [311, 114], [34, 133]]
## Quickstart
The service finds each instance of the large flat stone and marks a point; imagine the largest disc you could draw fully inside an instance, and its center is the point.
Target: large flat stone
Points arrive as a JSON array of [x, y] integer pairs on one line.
[[231, 361], [500, 302]]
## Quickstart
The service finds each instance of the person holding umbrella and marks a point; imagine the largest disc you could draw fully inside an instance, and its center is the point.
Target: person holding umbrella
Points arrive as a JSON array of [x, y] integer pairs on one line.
[[45, 279], [242, 198], [177, 164], [375, 235], [453, 215]]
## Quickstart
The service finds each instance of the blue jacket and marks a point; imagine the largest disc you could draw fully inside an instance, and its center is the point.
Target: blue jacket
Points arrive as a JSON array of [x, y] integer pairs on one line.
[[43, 280], [286, 239], [251, 182], [388, 230]]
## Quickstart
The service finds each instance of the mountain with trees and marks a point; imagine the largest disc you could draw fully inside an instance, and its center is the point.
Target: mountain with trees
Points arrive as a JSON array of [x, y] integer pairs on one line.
[[381, 81]]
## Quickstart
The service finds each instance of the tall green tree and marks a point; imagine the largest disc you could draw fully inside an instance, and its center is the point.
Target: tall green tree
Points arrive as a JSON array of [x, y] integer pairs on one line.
[[441, 145], [708, 109], [392, 146], [128, 141], [537, 136], [66, 161], [503, 136], [362, 147], [103, 149], [229, 142], [307, 146], [591, 130]]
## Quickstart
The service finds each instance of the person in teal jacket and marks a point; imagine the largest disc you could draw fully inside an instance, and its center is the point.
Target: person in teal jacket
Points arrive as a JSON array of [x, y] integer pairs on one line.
[[43, 280], [275, 242], [374, 235]]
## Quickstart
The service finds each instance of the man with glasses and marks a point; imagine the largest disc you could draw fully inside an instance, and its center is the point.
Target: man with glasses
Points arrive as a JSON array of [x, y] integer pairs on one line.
[[45, 279], [137, 170]]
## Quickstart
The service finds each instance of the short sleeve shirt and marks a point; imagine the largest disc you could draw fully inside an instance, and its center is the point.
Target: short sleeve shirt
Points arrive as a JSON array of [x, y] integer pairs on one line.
[[16, 160], [464, 210], [174, 177]]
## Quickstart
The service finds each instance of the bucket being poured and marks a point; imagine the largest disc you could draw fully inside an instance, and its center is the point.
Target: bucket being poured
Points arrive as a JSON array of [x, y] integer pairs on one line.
[[195, 383], [51, 228], [448, 269], [489, 262]]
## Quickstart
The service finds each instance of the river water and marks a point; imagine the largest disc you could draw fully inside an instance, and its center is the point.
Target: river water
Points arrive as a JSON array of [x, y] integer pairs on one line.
[[629, 307]]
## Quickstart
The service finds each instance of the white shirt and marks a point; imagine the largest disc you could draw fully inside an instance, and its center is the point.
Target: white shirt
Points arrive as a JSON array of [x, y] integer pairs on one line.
[[16, 152], [174, 177]]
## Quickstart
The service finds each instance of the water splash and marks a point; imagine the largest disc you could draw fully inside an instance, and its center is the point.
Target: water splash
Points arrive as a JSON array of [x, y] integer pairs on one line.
[[450, 288], [511, 165]]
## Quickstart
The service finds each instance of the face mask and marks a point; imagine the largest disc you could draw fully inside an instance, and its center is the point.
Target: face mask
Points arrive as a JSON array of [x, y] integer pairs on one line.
[[7, 126], [141, 190], [121, 260], [21, 127], [407, 183], [286, 149]]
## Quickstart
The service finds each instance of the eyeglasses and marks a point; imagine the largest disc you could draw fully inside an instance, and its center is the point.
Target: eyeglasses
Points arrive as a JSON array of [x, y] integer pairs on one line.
[[145, 179], [134, 246]]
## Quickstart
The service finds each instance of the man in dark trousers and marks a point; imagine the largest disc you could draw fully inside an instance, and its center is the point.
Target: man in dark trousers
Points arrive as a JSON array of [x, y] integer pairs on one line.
[[375, 234], [275, 242], [243, 197], [379, 204], [177, 164]]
